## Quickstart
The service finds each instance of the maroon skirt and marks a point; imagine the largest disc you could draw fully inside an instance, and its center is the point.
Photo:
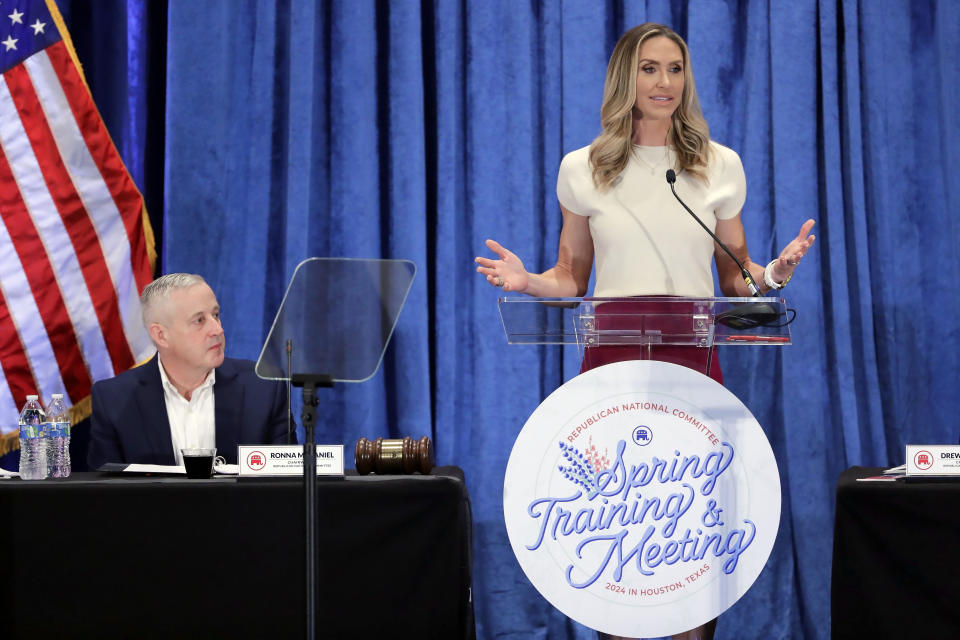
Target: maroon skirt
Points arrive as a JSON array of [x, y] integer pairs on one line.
[[614, 315]]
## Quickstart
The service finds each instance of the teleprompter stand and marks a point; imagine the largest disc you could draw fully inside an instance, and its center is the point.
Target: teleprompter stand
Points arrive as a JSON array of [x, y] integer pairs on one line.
[[333, 325]]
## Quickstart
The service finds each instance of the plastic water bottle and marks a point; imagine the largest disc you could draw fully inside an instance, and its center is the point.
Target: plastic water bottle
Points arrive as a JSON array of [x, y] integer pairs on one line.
[[58, 437], [33, 450]]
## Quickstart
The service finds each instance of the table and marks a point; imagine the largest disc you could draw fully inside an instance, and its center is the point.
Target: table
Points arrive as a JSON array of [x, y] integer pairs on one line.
[[896, 546], [104, 556]]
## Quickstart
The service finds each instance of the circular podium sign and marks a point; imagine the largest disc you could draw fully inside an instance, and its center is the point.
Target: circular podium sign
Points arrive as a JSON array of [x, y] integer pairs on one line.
[[642, 499]]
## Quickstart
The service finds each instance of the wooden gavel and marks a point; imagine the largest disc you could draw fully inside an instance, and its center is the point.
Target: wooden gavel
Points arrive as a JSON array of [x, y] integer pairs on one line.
[[385, 457]]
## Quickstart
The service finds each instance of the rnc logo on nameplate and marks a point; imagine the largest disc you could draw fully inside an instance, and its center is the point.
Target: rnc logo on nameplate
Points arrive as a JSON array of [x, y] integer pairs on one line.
[[256, 460], [642, 499], [923, 459]]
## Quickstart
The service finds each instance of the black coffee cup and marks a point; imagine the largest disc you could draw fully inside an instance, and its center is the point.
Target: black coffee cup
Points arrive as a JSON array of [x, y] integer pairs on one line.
[[198, 462]]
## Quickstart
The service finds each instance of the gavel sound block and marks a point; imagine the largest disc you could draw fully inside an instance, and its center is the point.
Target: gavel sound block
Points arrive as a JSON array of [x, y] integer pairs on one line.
[[385, 457]]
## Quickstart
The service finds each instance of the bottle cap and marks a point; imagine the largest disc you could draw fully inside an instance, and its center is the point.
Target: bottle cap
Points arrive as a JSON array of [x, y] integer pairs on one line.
[[31, 397], [56, 396]]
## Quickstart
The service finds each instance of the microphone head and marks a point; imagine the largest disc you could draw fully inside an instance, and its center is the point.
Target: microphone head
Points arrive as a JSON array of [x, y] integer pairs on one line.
[[671, 176]]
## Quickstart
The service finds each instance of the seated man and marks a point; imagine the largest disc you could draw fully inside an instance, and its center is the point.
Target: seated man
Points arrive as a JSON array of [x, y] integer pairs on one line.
[[189, 395]]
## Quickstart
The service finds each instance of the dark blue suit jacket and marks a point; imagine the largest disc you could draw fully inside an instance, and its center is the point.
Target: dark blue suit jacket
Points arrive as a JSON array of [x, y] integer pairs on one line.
[[129, 420]]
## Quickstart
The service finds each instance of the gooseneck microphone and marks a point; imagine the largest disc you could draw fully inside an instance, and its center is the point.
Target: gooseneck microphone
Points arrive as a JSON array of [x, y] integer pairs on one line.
[[754, 289]]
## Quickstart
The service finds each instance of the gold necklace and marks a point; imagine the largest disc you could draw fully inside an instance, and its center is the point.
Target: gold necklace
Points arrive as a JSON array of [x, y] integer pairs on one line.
[[638, 152]]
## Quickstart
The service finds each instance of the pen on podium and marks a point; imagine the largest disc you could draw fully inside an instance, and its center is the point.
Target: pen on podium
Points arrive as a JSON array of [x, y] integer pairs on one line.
[[758, 339]]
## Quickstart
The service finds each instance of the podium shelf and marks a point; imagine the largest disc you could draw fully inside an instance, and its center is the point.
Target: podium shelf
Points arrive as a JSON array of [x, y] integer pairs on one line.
[[663, 320]]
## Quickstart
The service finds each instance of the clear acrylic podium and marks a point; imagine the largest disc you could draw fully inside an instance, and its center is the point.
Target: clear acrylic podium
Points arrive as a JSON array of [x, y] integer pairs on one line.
[[333, 325], [646, 322]]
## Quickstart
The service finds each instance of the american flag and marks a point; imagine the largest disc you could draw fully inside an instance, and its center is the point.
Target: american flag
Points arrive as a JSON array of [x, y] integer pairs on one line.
[[75, 244]]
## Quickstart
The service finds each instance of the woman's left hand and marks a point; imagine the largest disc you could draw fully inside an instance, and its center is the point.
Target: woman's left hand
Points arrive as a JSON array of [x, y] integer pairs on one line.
[[793, 253]]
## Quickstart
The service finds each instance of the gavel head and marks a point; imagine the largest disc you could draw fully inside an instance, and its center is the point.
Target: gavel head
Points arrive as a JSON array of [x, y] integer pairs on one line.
[[392, 457]]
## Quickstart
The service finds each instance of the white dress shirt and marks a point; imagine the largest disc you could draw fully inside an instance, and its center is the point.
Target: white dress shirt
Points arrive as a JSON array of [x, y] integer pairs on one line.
[[192, 422]]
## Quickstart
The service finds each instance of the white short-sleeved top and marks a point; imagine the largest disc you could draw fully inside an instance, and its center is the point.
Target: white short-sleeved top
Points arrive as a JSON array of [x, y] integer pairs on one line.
[[644, 242]]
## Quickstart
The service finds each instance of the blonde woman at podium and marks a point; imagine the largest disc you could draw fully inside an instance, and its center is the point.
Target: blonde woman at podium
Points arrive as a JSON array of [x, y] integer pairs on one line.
[[618, 207]]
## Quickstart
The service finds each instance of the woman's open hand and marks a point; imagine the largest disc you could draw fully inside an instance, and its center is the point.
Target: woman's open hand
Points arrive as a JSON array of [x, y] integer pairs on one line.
[[506, 272], [793, 253]]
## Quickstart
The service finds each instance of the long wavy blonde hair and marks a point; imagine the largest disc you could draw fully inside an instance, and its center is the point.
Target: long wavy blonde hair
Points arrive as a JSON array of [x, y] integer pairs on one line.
[[689, 135]]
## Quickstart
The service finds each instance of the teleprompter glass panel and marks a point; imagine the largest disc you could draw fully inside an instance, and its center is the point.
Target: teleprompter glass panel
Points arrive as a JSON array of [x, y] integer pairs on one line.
[[337, 316]]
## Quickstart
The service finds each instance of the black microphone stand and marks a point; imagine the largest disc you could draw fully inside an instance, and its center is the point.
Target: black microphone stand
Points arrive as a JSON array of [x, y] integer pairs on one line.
[[747, 315], [754, 289]]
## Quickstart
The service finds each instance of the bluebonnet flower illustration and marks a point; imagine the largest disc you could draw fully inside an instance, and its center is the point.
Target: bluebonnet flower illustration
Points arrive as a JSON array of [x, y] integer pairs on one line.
[[581, 471]]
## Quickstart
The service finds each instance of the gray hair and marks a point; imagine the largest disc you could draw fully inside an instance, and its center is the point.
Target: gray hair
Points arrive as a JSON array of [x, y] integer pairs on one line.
[[158, 292]]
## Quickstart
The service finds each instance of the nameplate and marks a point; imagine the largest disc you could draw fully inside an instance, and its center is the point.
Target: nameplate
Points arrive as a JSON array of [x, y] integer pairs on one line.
[[933, 460], [287, 460]]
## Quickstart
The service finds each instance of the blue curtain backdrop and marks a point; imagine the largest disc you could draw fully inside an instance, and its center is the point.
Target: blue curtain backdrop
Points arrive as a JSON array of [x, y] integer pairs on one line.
[[415, 130]]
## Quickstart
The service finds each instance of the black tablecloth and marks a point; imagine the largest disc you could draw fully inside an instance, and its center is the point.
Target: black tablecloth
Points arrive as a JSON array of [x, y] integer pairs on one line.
[[108, 557], [896, 548]]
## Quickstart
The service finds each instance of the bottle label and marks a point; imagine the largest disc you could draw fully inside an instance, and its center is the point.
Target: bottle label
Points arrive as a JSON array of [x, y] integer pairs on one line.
[[29, 431], [58, 429]]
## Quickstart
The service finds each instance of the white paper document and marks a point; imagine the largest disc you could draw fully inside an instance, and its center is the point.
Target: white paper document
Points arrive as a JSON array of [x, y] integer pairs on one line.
[[224, 469], [155, 468]]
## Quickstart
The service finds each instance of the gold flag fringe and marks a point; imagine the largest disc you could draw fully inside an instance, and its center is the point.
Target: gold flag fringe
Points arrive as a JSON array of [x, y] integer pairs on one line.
[[149, 237], [80, 411], [9, 442]]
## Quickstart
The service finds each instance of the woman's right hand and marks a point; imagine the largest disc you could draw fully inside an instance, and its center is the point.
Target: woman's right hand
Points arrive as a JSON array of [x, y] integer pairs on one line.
[[507, 272]]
